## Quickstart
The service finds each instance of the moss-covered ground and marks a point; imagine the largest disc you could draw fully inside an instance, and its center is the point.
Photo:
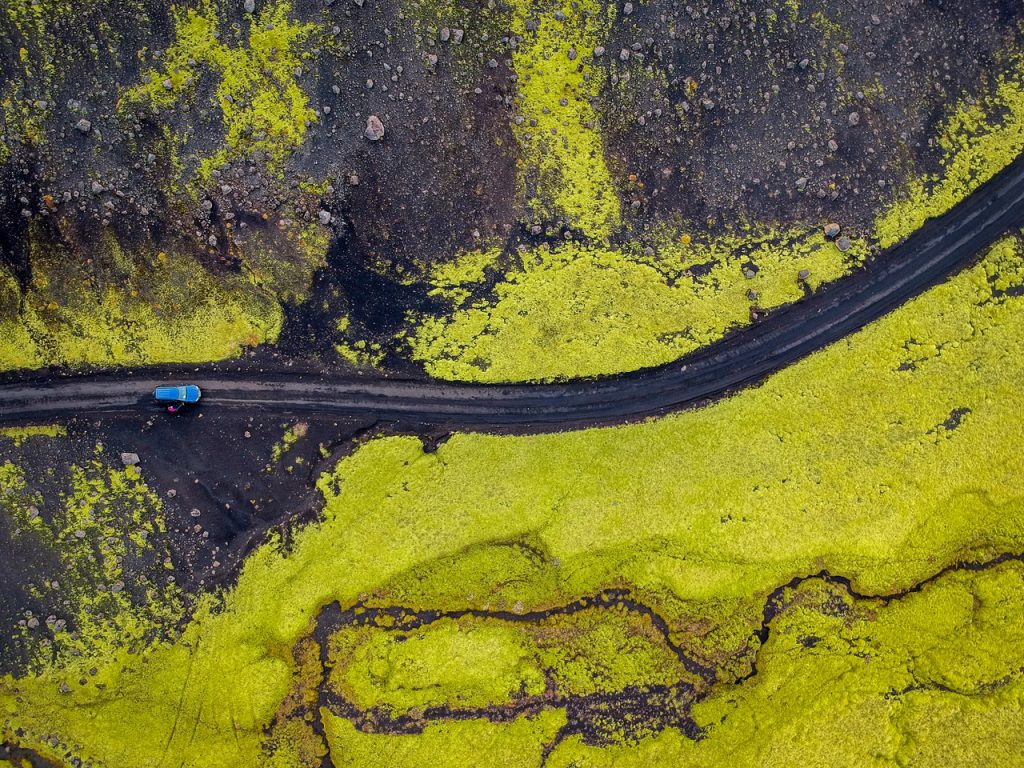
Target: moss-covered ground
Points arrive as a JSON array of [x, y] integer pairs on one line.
[[887, 462], [584, 309]]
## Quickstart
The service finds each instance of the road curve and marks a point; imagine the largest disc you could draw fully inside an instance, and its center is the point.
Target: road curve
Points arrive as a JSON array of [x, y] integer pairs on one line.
[[940, 248]]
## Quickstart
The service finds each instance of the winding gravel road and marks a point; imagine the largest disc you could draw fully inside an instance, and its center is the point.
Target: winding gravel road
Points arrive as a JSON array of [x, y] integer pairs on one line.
[[940, 248]]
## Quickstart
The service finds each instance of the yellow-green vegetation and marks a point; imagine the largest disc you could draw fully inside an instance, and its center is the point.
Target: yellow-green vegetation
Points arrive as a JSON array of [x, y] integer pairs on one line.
[[360, 353], [261, 103], [467, 744], [20, 434], [563, 172], [102, 523], [882, 459], [291, 436], [148, 306], [582, 311], [978, 140], [930, 680], [473, 663]]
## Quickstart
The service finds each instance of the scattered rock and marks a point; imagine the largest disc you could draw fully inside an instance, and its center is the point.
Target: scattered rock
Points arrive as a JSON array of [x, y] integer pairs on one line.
[[325, 217], [803, 274], [599, 51], [844, 244], [83, 125], [33, 623], [801, 183], [853, 119], [832, 231], [167, 84], [446, 34], [572, 54], [249, 5], [97, 188], [833, 146], [708, 104], [129, 459], [624, 54], [374, 128], [457, 35], [627, 9]]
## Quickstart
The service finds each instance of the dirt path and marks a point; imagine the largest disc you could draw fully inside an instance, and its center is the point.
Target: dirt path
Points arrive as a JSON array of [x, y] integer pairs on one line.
[[940, 248]]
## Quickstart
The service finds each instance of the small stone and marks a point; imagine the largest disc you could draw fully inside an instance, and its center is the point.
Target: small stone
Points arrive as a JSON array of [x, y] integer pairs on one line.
[[598, 51], [572, 54], [833, 146], [843, 244], [33, 623], [803, 274], [752, 294], [248, 434], [79, 534], [64, 688], [249, 5], [624, 54], [875, 20], [446, 34], [97, 188], [804, 63], [708, 104], [374, 128], [853, 119], [325, 217], [457, 35], [83, 125], [167, 84], [129, 459], [801, 183], [749, 274], [212, 241], [832, 231], [627, 9], [195, 513]]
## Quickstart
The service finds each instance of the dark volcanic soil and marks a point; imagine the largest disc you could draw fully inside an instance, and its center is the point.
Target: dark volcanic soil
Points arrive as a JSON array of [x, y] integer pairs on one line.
[[717, 113]]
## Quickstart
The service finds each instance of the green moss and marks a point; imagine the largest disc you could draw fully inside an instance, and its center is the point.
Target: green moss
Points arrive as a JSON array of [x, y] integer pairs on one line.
[[978, 140], [104, 522], [929, 680], [471, 743], [465, 664], [20, 434], [291, 436], [263, 108], [847, 461], [564, 174], [152, 307], [582, 311]]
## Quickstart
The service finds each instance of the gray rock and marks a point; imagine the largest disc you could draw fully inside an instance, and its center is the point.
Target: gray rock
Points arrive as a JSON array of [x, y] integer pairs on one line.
[[843, 244], [803, 274], [446, 34], [598, 51], [627, 9], [457, 35], [212, 240], [832, 231], [854, 119], [572, 54], [168, 85], [801, 183], [624, 54], [249, 5], [83, 125], [97, 188], [325, 217], [374, 128], [129, 459], [833, 146]]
